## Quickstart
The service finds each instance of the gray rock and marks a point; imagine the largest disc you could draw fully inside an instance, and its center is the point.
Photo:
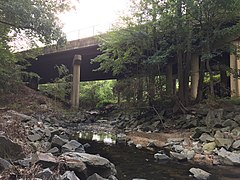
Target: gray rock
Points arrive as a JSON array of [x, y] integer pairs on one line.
[[237, 118], [46, 174], [139, 146], [34, 137], [74, 163], [214, 118], [200, 174], [94, 163], [10, 150], [190, 154], [86, 145], [4, 164], [178, 156], [112, 177], [26, 162], [199, 131], [228, 158], [95, 176], [54, 151], [178, 148], [218, 134], [161, 156], [236, 131], [236, 144], [224, 142], [72, 146], [58, 141], [46, 160], [69, 175], [206, 138], [231, 123]]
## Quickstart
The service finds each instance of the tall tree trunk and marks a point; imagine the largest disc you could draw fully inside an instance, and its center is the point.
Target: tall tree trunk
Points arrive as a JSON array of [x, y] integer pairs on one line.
[[151, 88], [211, 78], [180, 52], [201, 80], [140, 89], [188, 64], [169, 79], [180, 76]]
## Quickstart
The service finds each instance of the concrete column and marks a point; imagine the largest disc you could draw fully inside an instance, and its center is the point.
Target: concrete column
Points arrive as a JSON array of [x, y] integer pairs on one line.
[[76, 81], [233, 80], [194, 75], [169, 79], [235, 66]]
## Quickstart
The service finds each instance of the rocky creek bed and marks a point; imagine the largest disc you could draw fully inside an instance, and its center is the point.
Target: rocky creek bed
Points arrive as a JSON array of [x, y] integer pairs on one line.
[[46, 148]]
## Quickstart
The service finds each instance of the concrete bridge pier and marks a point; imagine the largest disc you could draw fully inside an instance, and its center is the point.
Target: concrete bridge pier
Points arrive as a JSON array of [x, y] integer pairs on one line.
[[194, 75], [235, 66], [76, 81]]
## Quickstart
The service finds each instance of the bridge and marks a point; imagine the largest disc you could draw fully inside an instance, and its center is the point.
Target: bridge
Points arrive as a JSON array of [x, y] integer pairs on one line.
[[76, 55], [45, 64]]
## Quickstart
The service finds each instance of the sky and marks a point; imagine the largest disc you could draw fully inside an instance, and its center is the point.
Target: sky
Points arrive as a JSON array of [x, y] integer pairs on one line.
[[88, 13]]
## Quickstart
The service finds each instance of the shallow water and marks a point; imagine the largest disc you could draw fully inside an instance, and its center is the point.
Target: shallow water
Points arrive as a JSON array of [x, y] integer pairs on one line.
[[134, 163]]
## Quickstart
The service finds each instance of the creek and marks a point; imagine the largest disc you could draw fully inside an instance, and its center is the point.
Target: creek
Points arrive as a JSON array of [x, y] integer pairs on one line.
[[136, 163]]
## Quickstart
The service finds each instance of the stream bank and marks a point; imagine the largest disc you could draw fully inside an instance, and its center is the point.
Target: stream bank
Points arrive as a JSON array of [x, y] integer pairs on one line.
[[36, 139]]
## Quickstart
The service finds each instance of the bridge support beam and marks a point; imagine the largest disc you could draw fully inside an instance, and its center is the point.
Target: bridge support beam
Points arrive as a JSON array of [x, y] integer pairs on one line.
[[76, 81], [235, 66]]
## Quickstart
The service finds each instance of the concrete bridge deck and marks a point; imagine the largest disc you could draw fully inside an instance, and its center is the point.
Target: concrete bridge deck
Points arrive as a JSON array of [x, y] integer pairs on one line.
[[45, 64]]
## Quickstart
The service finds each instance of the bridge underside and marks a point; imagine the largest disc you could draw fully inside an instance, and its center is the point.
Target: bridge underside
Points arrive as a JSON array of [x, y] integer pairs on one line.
[[45, 65]]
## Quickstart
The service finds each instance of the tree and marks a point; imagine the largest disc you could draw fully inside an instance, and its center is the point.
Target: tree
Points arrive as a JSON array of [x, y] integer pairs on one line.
[[35, 19], [160, 31]]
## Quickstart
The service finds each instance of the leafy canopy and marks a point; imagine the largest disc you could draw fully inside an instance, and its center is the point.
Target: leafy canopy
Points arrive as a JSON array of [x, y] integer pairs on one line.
[[35, 20]]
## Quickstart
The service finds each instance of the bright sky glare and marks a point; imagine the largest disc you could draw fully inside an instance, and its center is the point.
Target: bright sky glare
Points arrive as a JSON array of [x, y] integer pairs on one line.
[[88, 13]]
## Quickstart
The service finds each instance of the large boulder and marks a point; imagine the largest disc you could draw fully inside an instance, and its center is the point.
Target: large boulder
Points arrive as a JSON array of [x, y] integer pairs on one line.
[[224, 142], [199, 173], [73, 163], [4, 164], [206, 138], [94, 163], [69, 175], [236, 144], [228, 158], [46, 160], [73, 146], [214, 118], [58, 141], [95, 176], [10, 150]]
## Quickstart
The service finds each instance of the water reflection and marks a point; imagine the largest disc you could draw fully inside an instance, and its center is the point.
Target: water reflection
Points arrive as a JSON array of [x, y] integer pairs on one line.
[[100, 137]]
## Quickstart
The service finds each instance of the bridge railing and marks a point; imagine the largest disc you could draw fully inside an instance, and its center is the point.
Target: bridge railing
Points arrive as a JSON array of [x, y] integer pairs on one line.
[[88, 31]]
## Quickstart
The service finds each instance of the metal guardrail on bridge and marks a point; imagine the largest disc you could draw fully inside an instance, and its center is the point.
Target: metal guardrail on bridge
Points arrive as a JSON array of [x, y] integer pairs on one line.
[[88, 32]]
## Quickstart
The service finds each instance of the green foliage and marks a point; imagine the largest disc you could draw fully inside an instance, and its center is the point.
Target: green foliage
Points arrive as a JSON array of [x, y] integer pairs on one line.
[[158, 32], [97, 93], [28, 20], [60, 89]]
